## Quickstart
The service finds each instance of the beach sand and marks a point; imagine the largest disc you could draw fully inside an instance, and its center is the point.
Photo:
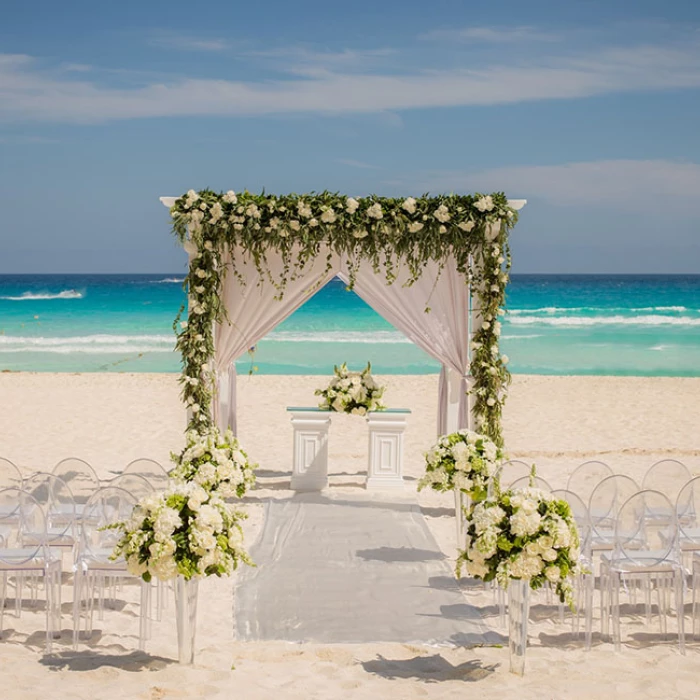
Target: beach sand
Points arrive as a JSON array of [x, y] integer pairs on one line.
[[556, 422]]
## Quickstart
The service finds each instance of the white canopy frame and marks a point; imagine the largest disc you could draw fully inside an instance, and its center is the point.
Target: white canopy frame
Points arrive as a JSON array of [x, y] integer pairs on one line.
[[445, 333]]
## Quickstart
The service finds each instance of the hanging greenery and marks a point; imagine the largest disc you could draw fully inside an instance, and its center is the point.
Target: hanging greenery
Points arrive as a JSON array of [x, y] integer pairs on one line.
[[388, 233]]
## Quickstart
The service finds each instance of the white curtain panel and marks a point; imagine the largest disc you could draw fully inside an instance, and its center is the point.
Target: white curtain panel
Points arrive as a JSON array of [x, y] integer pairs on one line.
[[253, 312], [443, 332]]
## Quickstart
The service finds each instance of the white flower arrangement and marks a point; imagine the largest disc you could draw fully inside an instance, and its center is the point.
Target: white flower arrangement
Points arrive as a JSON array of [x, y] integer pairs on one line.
[[463, 460], [524, 534], [182, 531], [215, 462], [352, 392]]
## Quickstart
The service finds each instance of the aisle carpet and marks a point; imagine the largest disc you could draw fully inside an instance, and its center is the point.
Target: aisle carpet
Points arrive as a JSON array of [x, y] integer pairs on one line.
[[352, 569]]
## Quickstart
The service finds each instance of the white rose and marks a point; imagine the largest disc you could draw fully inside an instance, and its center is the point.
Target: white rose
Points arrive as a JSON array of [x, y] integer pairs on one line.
[[360, 233], [484, 204], [294, 225], [230, 197], [552, 573], [466, 225], [351, 205], [415, 227], [328, 216], [409, 205], [442, 214], [375, 211]]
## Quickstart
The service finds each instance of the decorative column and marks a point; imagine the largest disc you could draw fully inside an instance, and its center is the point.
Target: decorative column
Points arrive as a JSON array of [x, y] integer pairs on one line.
[[310, 461], [385, 464]]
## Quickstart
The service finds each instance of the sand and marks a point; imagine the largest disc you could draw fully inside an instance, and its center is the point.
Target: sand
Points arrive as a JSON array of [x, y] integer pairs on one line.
[[556, 422]]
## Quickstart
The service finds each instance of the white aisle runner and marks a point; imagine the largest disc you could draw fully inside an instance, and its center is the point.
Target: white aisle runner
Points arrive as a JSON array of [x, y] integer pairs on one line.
[[352, 569]]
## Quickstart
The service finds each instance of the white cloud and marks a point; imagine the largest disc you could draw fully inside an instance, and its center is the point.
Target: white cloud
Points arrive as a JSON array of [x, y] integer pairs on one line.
[[357, 164], [656, 185], [183, 42], [28, 93], [500, 35]]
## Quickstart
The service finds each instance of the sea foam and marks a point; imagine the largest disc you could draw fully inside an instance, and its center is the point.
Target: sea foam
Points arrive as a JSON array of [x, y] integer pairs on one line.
[[32, 296]]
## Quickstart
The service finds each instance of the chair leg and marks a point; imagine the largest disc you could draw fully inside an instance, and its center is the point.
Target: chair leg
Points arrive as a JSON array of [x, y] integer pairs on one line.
[[615, 598], [680, 609], [77, 603]]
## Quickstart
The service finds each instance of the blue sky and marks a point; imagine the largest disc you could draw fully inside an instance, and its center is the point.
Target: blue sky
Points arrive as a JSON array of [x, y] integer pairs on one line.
[[588, 109]]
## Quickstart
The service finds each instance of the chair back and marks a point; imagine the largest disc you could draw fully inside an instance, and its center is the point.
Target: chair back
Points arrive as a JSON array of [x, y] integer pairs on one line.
[[23, 535], [56, 499], [641, 536], [580, 512], [80, 478], [688, 512], [535, 482], [605, 502], [511, 471], [586, 477], [149, 469], [106, 506], [668, 476], [135, 484], [10, 475]]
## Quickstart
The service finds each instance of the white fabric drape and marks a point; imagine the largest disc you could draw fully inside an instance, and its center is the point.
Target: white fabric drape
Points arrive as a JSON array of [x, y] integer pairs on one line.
[[253, 312], [443, 332]]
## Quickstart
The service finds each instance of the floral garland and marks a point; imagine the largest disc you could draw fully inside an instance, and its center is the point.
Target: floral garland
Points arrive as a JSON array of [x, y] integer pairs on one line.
[[387, 232]]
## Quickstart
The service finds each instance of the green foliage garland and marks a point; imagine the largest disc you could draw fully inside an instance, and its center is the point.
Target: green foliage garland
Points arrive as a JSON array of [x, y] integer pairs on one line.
[[386, 232]]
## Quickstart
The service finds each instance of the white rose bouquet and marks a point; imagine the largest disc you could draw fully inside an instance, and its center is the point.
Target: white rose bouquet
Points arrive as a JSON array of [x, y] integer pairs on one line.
[[464, 461], [522, 534], [352, 392], [215, 462], [182, 531]]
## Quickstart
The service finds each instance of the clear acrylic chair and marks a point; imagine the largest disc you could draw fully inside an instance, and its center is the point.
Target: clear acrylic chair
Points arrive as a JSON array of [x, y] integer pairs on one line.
[[688, 516], [151, 470], [95, 573], [56, 499], [10, 475], [24, 552], [586, 477], [535, 482], [585, 582], [603, 506], [696, 594], [656, 562], [511, 471], [135, 484], [668, 476], [80, 478]]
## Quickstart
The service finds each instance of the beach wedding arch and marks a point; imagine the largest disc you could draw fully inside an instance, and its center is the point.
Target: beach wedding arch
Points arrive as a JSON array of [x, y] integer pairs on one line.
[[435, 267]]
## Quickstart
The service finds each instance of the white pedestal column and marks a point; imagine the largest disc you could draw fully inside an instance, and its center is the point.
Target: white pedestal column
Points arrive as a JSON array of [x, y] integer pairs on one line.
[[310, 463], [385, 465]]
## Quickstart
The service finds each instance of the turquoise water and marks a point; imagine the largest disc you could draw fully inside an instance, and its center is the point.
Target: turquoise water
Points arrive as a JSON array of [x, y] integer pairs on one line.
[[573, 324]]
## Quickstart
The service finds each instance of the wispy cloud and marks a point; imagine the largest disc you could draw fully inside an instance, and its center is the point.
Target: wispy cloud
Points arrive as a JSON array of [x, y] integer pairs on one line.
[[500, 35], [184, 42], [619, 184], [29, 93], [357, 164]]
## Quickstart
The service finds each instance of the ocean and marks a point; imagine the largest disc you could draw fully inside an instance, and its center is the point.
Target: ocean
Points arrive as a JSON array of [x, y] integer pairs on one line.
[[643, 325]]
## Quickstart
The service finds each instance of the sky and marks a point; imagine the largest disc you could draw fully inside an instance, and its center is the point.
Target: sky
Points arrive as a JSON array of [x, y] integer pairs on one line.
[[589, 109]]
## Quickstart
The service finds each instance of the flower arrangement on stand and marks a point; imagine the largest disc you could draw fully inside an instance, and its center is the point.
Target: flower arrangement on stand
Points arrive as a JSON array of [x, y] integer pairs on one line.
[[215, 462], [464, 461], [182, 533], [352, 392], [523, 539]]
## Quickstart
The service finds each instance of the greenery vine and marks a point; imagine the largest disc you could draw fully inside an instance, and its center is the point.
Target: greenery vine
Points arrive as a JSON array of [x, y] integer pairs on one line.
[[387, 232]]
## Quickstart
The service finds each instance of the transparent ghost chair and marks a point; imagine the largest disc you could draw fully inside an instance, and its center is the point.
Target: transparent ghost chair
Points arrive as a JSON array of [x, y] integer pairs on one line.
[[586, 477], [668, 476], [511, 471], [96, 574], [24, 551], [535, 482], [688, 516], [645, 548], [137, 485], [149, 469], [56, 498], [80, 478], [696, 594], [10, 477], [585, 582]]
